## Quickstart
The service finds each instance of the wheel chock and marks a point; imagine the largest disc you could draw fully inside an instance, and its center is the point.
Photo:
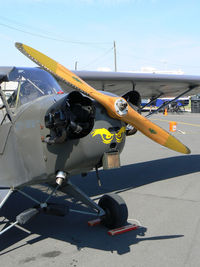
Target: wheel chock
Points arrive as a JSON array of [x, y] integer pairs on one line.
[[123, 229], [116, 231]]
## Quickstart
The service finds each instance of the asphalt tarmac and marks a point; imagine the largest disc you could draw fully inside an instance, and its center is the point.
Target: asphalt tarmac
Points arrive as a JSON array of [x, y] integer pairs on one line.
[[162, 191]]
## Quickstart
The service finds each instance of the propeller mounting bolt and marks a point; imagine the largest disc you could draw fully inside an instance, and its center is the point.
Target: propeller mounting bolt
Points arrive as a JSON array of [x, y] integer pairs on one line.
[[121, 106]]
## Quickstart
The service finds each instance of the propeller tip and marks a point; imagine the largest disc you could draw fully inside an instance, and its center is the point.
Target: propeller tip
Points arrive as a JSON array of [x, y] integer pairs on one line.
[[176, 145], [188, 151], [18, 45]]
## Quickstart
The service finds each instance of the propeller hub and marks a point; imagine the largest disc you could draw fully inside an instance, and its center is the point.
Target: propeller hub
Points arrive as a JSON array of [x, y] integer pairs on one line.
[[121, 106]]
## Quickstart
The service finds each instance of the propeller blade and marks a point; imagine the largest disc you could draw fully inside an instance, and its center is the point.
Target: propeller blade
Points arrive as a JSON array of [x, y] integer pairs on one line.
[[116, 107], [155, 132]]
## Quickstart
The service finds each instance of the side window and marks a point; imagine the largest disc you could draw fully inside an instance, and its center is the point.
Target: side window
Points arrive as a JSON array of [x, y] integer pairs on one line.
[[22, 91]]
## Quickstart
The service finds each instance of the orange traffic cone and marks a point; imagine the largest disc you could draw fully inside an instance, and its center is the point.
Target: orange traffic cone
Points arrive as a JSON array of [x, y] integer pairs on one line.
[[165, 112], [172, 126]]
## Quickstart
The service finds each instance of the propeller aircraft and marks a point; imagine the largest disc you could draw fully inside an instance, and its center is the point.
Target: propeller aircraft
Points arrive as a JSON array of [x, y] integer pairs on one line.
[[54, 125]]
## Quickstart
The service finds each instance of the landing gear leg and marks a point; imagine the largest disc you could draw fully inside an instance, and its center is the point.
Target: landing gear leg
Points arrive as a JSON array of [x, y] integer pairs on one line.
[[76, 193]]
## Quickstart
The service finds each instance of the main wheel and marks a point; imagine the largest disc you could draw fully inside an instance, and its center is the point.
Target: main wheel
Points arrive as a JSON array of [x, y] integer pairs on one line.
[[115, 209]]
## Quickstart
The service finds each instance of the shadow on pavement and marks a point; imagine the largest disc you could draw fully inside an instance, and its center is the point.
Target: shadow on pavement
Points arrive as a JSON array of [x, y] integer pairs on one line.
[[73, 228]]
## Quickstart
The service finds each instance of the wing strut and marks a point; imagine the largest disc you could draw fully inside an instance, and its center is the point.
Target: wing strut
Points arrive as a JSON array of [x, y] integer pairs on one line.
[[191, 87]]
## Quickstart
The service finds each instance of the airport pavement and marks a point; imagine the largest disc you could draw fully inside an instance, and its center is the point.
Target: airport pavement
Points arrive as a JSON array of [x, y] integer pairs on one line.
[[162, 191]]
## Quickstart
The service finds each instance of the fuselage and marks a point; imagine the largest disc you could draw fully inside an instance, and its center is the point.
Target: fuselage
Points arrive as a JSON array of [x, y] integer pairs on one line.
[[26, 158]]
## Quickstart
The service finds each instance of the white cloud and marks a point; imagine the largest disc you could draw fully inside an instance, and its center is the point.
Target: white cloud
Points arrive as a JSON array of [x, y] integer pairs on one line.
[[104, 69]]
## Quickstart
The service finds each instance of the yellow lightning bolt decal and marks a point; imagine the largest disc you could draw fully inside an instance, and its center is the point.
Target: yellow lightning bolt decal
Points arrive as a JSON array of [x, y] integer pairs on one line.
[[119, 136], [106, 136]]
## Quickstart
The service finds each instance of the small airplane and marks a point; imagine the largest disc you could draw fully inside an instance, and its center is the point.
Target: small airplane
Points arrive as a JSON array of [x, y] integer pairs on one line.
[[50, 132]]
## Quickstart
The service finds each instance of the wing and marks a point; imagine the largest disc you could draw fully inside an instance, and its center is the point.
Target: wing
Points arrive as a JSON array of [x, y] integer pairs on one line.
[[148, 85]]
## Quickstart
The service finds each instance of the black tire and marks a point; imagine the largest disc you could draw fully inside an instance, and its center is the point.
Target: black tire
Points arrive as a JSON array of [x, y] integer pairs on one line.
[[116, 210]]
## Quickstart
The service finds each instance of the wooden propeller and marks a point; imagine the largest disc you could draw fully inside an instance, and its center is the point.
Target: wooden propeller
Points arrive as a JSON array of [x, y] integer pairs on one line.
[[117, 107]]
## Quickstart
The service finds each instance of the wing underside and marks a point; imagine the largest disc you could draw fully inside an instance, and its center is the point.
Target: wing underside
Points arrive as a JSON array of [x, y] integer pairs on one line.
[[148, 85], [119, 83]]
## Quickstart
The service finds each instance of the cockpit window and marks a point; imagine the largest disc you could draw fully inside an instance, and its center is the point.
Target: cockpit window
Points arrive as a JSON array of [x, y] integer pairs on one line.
[[28, 84]]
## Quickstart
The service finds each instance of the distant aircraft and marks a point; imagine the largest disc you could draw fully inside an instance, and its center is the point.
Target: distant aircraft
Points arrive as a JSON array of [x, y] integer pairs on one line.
[[49, 132]]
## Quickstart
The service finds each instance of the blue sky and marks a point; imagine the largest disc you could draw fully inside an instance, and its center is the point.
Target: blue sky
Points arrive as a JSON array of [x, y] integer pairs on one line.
[[148, 33]]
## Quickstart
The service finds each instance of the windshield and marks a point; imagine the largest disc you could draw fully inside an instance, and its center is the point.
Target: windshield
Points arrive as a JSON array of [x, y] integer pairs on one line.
[[28, 84]]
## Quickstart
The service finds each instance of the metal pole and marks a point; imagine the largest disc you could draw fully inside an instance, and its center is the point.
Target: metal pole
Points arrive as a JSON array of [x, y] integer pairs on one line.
[[115, 56], [76, 64]]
